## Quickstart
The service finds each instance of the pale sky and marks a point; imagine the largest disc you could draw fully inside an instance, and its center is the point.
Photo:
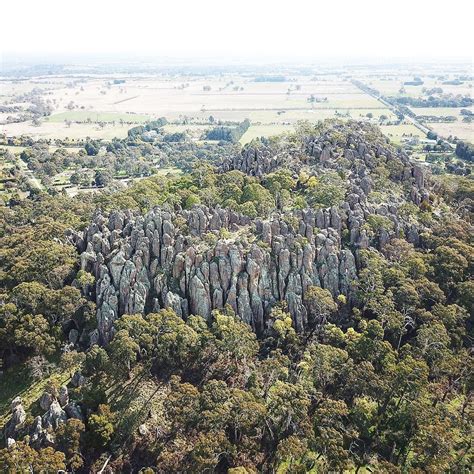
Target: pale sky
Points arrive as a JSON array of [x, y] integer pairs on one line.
[[242, 28]]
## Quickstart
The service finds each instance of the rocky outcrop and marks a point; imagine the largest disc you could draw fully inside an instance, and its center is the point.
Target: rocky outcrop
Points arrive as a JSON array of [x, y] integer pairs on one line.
[[45, 401], [73, 410], [161, 260], [17, 419], [54, 416], [178, 258], [63, 396], [151, 263], [78, 379], [39, 435], [255, 161], [41, 431]]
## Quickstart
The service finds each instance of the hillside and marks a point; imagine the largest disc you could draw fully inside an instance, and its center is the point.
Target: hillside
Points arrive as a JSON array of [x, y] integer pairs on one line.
[[303, 303], [201, 259]]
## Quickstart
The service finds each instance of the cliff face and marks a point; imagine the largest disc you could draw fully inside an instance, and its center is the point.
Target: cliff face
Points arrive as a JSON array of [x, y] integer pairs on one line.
[[185, 260]]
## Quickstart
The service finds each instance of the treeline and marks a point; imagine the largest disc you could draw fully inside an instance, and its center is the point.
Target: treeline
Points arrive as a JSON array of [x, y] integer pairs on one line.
[[228, 134], [275, 78], [416, 82], [454, 82], [365, 88], [431, 101], [155, 125], [437, 118], [465, 151]]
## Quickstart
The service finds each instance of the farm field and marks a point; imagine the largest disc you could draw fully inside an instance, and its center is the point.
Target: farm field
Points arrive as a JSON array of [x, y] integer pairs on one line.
[[105, 106], [459, 128], [391, 85], [226, 97], [50, 130], [92, 116], [402, 132], [16, 150], [462, 130], [256, 131], [285, 116]]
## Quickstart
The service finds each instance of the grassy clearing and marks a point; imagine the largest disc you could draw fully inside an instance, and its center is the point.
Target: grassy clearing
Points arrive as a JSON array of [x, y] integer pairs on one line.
[[173, 128], [16, 150], [17, 382], [138, 400], [194, 131], [168, 171]]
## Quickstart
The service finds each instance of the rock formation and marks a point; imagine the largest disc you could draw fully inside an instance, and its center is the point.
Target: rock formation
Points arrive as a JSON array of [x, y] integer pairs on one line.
[[54, 416], [17, 419], [178, 259]]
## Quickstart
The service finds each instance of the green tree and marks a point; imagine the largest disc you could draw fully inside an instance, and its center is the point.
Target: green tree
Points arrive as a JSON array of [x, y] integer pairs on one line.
[[320, 305], [68, 438], [101, 427], [123, 352], [21, 458], [103, 177]]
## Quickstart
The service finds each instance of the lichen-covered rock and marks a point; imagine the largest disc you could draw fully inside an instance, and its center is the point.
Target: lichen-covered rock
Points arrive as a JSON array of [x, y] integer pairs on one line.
[[54, 416], [255, 161], [45, 401], [15, 403], [18, 416], [78, 379], [73, 410], [143, 429], [279, 265], [63, 396], [37, 433], [17, 419], [73, 336]]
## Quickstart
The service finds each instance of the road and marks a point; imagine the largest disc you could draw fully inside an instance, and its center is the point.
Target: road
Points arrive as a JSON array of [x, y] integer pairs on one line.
[[417, 124], [394, 109]]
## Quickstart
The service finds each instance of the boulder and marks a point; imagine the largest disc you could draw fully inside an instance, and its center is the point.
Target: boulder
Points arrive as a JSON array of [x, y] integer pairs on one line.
[[73, 410], [78, 379], [73, 336], [54, 416], [15, 402], [63, 396], [45, 401], [18, 415], [143, 429]]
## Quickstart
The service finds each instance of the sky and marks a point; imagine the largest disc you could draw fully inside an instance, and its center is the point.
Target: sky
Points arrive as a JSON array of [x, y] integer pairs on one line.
[[239, 29]]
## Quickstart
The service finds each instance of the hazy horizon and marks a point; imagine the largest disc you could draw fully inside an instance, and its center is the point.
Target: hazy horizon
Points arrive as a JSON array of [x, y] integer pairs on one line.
[[248, 31]]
